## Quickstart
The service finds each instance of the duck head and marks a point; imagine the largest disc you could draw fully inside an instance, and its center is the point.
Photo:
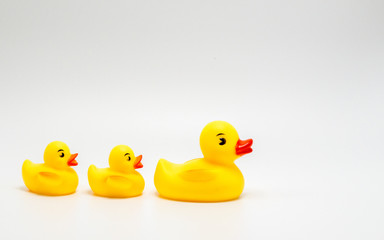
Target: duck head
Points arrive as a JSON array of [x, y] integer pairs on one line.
[[57, 155], [123, 159], [220, 143]]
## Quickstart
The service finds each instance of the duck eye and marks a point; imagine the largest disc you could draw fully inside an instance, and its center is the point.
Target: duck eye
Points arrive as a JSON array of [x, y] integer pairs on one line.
[[61, 155], [222, 141], [129, 158]]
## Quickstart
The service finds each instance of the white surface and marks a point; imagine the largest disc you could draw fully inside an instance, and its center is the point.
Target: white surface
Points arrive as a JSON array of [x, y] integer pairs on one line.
[[303, 78]]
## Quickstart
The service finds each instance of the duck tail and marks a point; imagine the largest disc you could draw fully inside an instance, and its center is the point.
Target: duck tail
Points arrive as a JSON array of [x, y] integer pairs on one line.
[[26, 164], [161, 172], [91, 170], [92, 167]]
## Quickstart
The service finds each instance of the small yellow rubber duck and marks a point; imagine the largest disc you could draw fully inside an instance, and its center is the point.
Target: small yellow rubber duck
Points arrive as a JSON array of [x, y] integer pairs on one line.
[[121, 180], [213, 178], [54, 177]]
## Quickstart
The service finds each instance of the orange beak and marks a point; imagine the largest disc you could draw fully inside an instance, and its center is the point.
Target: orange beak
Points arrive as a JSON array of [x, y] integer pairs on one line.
[[72, 160], [244, 147], [138, 163]]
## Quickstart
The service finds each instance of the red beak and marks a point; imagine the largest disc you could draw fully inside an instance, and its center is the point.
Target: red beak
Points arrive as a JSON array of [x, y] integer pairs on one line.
[[244, 147], [72, 160], [138, 163]]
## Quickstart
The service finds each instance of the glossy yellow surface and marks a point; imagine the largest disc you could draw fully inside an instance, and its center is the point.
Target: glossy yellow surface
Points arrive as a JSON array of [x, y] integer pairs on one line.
[[212, 178], [120, 180], [55, 176]]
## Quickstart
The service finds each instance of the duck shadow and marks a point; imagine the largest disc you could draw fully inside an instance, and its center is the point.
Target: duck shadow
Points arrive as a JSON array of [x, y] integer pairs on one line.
[[242, 197], [22, 189], [91, 193], [26, 190], [254, 194]]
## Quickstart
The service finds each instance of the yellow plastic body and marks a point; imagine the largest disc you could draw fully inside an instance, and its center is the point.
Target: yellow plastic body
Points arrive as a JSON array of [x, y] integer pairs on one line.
[[213, 178], [198, 181], [53, 177], [120, 180]]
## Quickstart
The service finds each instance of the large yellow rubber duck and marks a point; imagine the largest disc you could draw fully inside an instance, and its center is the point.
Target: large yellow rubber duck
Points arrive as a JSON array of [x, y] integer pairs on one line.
[[121, 180], [55, 176], [213, 178]]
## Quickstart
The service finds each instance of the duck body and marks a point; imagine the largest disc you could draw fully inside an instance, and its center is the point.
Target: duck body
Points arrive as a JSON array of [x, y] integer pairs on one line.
[[213, 178], [120, 180], [198, 181], [109, 183], [45, 180]]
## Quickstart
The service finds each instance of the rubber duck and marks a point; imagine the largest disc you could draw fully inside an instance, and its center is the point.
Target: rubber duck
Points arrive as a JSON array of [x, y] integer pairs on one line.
[[213, 178], [120, 180], [55, 176]]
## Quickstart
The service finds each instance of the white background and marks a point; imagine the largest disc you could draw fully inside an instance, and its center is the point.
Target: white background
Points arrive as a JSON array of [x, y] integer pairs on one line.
[[304, 79]]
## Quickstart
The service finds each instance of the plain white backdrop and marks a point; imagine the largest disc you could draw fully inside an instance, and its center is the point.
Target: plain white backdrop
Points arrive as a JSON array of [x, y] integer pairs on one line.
[[304, 79]]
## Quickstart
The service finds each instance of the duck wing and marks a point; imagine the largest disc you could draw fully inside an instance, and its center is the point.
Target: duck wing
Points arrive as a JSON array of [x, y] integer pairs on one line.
[[49, 178], [119, 181], [198, 175], [43, 174], [191, 171]]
